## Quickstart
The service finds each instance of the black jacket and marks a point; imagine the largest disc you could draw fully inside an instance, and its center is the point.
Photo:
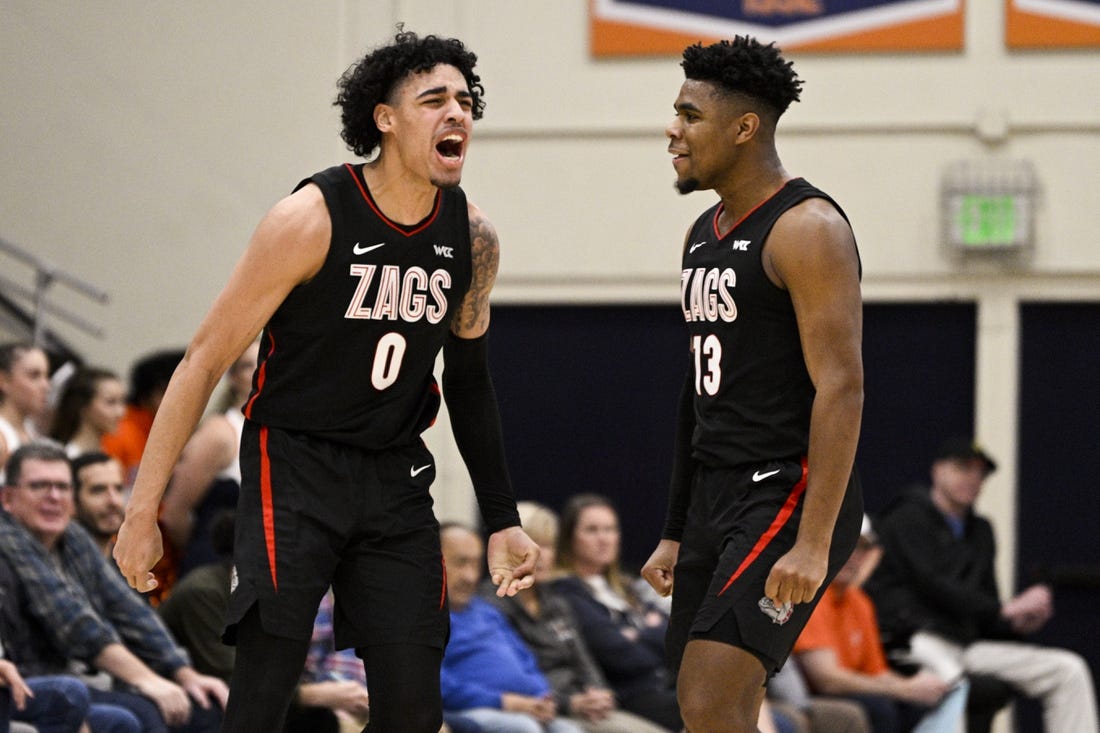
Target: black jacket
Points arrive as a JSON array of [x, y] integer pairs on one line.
[[930, 580]]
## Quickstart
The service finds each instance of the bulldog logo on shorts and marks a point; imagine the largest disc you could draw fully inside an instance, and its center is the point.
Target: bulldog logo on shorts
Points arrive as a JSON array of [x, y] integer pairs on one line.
[[779, 615]]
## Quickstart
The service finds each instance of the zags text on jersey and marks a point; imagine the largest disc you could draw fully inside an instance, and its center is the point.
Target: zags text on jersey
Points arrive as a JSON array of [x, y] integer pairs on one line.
[[707, 294], [411, 297]]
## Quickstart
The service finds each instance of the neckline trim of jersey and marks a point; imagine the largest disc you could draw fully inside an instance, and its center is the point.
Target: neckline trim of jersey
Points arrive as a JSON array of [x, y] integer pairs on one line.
[[405, 229], [722, 207]]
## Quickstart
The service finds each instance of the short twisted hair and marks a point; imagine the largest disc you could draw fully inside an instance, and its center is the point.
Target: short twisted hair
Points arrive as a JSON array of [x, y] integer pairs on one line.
[[371, 81], [745, 66]]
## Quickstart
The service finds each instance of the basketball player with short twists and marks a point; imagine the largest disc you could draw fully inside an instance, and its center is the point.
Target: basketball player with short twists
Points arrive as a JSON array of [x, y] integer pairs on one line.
[[764, 506]]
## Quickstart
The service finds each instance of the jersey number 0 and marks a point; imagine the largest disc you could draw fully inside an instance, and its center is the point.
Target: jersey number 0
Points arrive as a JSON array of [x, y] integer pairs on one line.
[[387, 360]]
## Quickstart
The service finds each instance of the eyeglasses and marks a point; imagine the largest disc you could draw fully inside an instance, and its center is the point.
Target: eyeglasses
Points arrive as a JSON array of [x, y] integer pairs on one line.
[[43, 486]]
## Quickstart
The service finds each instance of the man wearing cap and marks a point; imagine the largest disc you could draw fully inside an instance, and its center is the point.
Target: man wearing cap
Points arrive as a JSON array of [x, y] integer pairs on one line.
[[936, 587]]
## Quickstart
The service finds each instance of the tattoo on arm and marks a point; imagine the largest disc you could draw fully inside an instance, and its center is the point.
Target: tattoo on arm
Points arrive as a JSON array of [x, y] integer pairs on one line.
[[473, 315]]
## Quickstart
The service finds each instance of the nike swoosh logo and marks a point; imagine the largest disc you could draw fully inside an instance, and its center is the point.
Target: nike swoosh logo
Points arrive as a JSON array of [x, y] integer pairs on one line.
[[417, 471], [696, 246], [363, 250], [758, 477]]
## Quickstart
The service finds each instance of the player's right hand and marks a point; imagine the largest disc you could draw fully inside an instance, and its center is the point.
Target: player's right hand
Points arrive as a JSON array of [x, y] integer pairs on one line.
[[658, 568], [137, 549], [511, 555]]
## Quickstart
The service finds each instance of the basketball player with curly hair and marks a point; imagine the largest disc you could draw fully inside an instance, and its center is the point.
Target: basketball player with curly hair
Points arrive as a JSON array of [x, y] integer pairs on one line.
[[357, 280]]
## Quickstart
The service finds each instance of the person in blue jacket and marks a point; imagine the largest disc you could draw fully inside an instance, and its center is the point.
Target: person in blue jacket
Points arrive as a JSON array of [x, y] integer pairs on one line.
[[489, 677]]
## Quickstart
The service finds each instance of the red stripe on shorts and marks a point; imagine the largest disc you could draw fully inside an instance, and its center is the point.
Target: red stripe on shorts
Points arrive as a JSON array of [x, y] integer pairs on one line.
[[261, 376], [268, 508], [773, 529]]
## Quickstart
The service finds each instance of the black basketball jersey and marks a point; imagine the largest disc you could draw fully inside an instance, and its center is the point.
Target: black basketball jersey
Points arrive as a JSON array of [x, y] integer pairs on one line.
[[349, 355], [753, 394]]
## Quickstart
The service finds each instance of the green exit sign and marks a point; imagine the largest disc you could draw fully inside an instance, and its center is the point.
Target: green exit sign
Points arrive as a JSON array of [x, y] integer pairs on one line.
[[988, 221], [989, 206]]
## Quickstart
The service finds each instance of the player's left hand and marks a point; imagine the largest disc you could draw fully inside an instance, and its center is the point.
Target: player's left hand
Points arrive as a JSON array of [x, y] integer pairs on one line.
[[511, 555], [797, 576]]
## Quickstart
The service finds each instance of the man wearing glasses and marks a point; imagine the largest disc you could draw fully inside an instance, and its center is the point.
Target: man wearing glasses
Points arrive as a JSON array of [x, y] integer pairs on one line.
[[77, 607]]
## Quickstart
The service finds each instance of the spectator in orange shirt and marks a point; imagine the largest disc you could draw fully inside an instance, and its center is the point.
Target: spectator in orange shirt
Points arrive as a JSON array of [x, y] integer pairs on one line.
[[149, 377], [841, 654]]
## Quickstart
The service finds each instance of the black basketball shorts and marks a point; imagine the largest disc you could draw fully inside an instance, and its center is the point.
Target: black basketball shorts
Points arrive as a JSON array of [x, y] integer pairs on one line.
[[313, 514], [740, 522]]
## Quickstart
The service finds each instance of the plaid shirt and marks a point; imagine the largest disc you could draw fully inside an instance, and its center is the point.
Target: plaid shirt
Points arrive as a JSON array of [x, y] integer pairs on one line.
[[81, 603], [323, 662]]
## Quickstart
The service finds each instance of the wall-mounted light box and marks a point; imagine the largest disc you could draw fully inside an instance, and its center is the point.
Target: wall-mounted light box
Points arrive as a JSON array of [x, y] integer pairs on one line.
[[988, 206]]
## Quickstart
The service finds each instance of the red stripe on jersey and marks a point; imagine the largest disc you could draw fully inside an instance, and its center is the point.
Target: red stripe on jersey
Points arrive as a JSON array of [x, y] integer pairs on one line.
[[385, 219], [268, 507], [261, 376], [443, 592], [773, 529], [722, 207]]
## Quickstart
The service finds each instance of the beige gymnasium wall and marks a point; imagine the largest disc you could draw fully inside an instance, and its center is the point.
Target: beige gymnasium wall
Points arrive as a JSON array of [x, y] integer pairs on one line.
[[141, 142]]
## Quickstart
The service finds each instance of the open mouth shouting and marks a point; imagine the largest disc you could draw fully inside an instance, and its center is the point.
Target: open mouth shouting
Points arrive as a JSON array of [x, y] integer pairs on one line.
[[451, 148]]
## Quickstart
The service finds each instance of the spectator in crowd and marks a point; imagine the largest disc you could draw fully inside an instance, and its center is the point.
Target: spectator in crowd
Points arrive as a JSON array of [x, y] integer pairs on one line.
[[77, 609], [625, 636], [207, 477], [99, 497], [24, 385], [545, 622], [47, 703], [489, 676], [149, 377], [841, 654], [936, 590], [91, 406]]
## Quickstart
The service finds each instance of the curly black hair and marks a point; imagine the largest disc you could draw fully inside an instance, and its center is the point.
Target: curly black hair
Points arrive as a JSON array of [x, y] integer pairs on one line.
[[371, 80], [745, 66]]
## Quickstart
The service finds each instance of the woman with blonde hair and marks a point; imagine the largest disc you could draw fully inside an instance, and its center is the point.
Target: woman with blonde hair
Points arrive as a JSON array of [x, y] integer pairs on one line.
[[625, 636]]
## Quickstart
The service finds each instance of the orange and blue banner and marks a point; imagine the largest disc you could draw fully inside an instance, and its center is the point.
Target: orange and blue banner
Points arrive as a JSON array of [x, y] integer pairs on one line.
[[659, 27], [1052, 23]]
